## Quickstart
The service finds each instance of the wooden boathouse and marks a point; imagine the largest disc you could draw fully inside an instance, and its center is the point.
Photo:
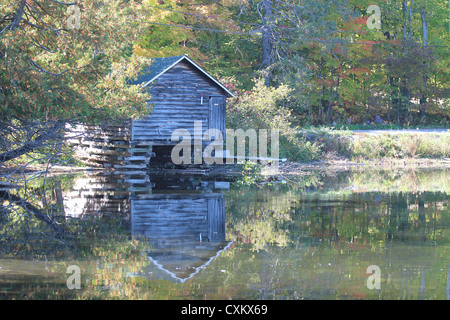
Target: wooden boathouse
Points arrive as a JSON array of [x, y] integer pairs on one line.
[[181, 93]]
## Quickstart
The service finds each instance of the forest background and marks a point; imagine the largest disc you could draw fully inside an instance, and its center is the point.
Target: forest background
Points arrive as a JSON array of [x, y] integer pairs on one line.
[[340, 66], [292, 64]]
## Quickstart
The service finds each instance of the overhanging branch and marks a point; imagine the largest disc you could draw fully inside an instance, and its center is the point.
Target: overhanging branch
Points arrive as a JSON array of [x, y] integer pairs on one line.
[[45, 71], [37, 143]]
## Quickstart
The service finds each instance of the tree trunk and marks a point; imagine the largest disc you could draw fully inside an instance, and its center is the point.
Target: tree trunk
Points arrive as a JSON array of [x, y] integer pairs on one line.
[[424, 28], [333, 97], [399, 101], [405, 90], [405, 10], [389, 79], [266, 41], [410, 19], [18, 16], [423, 98]]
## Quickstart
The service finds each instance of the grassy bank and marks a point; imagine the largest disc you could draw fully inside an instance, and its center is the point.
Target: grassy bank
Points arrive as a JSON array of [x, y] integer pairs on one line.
[[360, 147], [311, 146]]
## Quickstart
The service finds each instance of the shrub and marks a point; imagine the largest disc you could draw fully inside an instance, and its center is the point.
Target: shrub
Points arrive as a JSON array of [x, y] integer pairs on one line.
[[266, 108]]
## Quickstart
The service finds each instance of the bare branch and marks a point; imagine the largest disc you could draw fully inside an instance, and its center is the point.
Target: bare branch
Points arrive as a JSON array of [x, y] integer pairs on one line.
[[36, 43], [34, 210], [32, 24], [7, 17], [64, 3], [33, 144], [45, 71]]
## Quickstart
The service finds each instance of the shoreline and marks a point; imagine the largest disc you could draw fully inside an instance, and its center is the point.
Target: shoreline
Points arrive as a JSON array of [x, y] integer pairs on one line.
[[285, 168]]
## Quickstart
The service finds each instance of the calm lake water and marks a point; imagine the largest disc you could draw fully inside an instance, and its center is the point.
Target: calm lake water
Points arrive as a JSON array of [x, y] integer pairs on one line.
[[361, 234]]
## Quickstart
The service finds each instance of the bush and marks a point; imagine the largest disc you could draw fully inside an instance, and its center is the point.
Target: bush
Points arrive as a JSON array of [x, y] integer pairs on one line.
[[266, 108]]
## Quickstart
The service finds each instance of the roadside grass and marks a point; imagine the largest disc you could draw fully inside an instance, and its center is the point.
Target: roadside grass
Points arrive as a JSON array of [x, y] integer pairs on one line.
[[381, 126], [363, 146], [400, 146]]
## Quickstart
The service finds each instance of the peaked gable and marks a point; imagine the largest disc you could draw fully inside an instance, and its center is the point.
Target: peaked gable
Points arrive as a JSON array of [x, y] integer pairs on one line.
[[160, 66]]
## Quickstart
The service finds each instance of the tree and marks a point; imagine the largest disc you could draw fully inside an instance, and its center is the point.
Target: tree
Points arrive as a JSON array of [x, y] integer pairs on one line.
[[266, 40], [66, 62]]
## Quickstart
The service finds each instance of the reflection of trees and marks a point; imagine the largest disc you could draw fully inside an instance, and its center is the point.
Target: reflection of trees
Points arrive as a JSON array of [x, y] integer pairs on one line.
[[279, 215], [258, 217], [332, 235], [416, 217], [32, 219], [304, 241], [33, 227], [29, 208], [366, 217], [400, 180], [258, 232], [33, 233]]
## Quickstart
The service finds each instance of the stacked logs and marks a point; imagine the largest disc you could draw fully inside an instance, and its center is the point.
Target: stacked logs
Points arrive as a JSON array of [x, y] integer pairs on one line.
[[108, 146]]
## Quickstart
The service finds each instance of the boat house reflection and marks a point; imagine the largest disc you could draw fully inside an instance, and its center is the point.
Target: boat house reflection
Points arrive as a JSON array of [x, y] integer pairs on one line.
[[186, 231], [182, 220]]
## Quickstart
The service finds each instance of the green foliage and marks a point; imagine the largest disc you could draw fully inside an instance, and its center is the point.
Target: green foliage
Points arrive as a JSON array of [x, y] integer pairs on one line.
[[265, 108], [338, 69], [330, 142], [52, 72], [251, 173], [357, 146]]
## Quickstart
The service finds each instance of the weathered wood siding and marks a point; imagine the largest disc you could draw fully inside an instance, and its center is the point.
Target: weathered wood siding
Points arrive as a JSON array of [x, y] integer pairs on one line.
[[176, 100], [108, 146], [216, 219], [181, 218]]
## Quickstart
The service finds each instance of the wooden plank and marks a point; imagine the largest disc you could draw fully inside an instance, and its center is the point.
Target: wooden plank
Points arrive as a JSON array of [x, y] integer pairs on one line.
[[170, 115], [216, 219], [97, 158], [98, 151], [130, 166], [99, 144], [137, 158]]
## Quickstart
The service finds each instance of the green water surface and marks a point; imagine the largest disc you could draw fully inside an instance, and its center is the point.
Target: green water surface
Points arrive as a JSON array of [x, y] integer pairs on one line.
[[361, 234]]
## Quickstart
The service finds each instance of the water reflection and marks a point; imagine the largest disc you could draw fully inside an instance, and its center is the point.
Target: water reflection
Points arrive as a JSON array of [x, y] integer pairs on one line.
[[184, 237], [186, 231], [182, 219]]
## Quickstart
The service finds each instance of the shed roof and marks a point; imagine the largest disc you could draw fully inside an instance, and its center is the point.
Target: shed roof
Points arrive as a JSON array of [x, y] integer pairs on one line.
[[159, 66]]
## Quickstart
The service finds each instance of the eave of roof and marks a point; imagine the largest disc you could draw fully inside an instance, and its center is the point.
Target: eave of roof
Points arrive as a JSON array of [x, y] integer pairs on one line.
[[174, 61]]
